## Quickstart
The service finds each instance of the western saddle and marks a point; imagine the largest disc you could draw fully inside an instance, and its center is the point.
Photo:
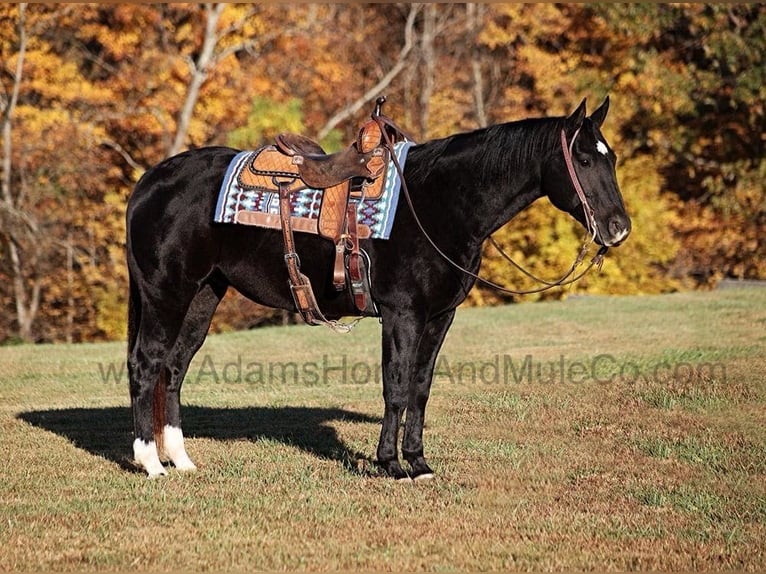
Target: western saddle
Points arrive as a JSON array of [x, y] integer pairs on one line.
[[357, 172]]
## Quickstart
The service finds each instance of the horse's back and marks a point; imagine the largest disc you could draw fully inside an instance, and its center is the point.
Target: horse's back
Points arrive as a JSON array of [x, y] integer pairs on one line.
[[170, 212], [193, 176]]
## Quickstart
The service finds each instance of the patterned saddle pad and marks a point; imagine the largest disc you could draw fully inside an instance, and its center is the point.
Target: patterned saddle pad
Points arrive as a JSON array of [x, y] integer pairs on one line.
[[377, 214]]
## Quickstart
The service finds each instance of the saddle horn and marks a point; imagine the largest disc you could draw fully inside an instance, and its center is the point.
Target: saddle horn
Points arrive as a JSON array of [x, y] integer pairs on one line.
[[379, 106]]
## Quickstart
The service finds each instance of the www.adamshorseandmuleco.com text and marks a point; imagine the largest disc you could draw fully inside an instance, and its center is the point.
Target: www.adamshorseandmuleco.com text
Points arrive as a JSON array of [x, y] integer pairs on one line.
[[505, 369]]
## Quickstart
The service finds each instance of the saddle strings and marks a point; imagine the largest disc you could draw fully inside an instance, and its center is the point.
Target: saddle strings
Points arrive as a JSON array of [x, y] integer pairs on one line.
[[566, 279]]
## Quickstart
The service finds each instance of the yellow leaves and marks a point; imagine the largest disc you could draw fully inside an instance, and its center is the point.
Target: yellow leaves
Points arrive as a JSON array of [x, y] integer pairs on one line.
[[499, 30], [447, 118], [247, 18], [551, 72], [117, 46], [111, 319], [50, 76], [34, 120], [652, 214], [331, 71], [266, 119], [542, 240], [546, 241], [186, 34], [8, 29], [509, 24], [57, 80], [627, 81]]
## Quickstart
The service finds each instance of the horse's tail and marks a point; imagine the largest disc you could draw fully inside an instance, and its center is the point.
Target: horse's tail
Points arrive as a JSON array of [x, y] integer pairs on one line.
[[159, 409], [134, 314]]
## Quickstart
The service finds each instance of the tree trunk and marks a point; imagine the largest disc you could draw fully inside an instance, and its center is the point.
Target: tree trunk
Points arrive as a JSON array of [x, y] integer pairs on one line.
[[474, 17], [26, 297], [384, 82], [428, 55], [199, 72]]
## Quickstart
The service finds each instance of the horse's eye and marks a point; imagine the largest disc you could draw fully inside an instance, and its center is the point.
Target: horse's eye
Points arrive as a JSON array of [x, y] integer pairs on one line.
[[585, 162]]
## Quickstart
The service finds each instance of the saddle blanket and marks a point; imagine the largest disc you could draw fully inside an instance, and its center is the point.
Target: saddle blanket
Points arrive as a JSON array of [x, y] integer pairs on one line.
[[377, 214]]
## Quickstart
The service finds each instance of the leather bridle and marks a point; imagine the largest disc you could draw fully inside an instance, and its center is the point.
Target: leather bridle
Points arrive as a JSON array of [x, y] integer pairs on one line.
[[590, 218]]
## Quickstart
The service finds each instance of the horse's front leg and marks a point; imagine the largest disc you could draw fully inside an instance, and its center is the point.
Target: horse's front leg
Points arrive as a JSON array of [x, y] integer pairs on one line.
[[400, 338], [410, 347], [419, 390]]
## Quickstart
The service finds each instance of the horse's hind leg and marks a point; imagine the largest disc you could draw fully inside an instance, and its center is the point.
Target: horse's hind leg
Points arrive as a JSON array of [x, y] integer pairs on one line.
[[189, 340], [153, 332]]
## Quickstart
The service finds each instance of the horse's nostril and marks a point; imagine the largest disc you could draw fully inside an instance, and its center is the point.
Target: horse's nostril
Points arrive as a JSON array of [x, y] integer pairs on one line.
[[617, 226]]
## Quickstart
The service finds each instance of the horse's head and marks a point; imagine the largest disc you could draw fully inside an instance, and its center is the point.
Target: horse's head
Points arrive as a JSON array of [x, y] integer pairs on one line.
[[584, 159]]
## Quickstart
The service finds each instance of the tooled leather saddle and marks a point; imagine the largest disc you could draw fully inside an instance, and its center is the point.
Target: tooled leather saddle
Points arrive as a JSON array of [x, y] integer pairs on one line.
[[295, 162]]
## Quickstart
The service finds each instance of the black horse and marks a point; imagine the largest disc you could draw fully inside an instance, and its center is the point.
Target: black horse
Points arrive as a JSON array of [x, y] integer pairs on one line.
[[462, 188]]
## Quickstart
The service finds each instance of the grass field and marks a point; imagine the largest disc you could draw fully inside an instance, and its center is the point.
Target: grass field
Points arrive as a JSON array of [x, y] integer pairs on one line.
[[596, 433]]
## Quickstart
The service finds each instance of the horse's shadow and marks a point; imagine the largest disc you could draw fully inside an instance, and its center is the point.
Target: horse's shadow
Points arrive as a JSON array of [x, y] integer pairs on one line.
[[106, 432]]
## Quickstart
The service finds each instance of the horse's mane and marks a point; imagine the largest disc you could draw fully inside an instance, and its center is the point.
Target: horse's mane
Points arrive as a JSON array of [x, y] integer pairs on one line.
[[517, 144], [500, 150]]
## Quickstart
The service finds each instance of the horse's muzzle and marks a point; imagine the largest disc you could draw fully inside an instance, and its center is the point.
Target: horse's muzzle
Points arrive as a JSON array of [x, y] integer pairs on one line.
[[618, 228]]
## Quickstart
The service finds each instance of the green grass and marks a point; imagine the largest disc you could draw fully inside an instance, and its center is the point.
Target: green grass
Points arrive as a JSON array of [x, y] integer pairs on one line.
[[596, 433]]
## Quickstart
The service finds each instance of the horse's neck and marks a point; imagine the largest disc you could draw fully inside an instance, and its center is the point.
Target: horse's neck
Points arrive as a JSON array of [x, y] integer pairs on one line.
[[478, 181]]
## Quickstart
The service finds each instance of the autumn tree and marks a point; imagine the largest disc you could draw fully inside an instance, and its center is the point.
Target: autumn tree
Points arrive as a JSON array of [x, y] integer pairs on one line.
[[17, 225], [93, 95], [45, 178]]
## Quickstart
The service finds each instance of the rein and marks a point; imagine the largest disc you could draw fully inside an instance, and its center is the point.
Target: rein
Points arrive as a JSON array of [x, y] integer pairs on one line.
[[568, 278]]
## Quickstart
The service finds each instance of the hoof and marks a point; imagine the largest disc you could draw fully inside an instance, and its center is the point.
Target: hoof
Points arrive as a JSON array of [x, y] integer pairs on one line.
[[145, 455], [185, 466], [174, 449], [394, 470], [425, 477], [420, 469], [151, 475]]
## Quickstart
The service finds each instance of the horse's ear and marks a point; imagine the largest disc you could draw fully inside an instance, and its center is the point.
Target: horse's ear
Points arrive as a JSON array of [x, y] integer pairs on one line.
[[575, 120], [599, 115]]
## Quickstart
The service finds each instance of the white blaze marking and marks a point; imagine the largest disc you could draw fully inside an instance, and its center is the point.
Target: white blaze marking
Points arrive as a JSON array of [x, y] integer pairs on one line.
[[601, 148], [173, 439], [145, 454]]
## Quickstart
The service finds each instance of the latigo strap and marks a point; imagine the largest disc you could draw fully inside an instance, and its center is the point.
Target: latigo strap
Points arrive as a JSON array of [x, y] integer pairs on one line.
[[300, 286]]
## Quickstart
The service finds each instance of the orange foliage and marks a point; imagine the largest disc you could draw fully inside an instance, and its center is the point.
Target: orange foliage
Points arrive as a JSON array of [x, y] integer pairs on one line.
[[103, 88]]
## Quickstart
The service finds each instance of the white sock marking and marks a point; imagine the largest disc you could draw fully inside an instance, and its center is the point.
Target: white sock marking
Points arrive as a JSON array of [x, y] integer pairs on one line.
[[174, 448], [145, 454], [601, 148]]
